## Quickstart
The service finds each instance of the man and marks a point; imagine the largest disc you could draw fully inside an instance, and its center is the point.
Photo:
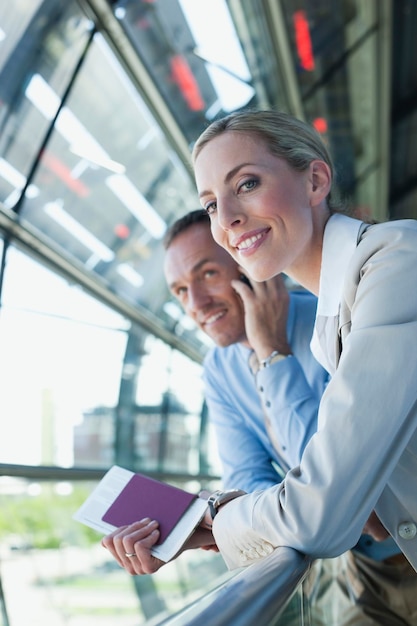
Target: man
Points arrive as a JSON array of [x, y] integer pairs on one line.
[[264, 413], [267, 425]]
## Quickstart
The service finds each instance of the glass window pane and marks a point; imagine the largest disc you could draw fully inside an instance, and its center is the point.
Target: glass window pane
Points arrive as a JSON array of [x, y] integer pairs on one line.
[[198, 79], [108, 181], [62, 356], [169, 413], [41, 43], [80, 396]]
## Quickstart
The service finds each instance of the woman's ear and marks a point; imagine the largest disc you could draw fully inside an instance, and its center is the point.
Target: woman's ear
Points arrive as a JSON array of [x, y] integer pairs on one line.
[[320, 181]]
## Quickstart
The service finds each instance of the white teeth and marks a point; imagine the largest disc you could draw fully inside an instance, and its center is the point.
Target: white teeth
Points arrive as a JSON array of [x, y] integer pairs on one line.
[[249, 241], [213, 318]]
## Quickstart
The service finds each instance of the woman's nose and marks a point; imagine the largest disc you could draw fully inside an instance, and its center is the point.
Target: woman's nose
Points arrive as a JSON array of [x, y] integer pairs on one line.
[[229, 213]]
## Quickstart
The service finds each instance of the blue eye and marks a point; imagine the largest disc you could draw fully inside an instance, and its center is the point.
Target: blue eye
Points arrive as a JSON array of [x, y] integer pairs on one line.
[[248, 185]]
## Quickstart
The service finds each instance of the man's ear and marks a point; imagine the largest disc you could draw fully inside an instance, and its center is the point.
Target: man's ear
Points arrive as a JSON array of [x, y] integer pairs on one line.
[[320, 181]]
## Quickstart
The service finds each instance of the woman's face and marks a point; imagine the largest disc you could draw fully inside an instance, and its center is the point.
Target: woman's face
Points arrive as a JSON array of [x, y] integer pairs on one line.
[[260, 208]]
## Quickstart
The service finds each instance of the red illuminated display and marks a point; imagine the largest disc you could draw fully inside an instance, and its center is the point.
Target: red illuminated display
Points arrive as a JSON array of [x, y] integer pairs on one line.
[[183, 76], [303, 41], [320, 124]]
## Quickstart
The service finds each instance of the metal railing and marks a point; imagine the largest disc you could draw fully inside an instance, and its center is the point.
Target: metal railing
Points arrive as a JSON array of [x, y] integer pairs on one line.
[[257, 594]]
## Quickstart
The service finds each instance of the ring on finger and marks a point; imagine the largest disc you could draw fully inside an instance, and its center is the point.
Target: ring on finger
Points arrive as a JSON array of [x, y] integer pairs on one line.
[[130, 554]]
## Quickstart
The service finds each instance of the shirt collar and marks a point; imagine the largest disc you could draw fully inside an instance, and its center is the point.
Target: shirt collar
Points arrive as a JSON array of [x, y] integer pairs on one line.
[[339, 243]]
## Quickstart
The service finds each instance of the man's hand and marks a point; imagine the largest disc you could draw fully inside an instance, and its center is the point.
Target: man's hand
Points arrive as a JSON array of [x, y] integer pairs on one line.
[[266, 312], [136, 539]]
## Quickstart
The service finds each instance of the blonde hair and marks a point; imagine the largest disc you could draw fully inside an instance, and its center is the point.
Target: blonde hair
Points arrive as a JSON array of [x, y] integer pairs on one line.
[[284, 135]]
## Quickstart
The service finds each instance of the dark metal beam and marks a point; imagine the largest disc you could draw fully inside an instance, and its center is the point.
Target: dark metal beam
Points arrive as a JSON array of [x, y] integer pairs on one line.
[[100, 11], [56, 473]]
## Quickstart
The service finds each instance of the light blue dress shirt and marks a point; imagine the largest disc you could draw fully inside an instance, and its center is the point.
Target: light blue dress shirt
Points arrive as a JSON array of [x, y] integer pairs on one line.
[[289, 391]]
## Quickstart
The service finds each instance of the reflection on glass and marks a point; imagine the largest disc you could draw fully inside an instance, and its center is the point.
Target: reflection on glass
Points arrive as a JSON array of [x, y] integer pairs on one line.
[[108, 181], [226, 64], [39, 38]]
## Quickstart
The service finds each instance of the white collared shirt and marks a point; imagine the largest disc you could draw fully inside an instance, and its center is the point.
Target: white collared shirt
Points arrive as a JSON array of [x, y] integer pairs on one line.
[[339, 243]]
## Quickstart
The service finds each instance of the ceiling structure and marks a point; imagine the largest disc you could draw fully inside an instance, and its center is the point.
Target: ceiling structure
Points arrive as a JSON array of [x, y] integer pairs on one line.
[[345, 65]]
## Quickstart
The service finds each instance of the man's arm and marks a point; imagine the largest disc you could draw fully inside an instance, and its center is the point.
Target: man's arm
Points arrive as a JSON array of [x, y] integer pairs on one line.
[[288, 393], [246, 460], [249, 458], [279, 324]]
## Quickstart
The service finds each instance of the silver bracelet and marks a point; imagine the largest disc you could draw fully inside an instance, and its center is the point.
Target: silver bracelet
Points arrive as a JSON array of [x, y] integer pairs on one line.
[[274, 357]]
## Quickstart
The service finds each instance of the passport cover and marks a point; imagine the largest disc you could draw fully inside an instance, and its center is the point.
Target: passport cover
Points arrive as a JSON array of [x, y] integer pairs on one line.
[[146, 497], [122, 497]]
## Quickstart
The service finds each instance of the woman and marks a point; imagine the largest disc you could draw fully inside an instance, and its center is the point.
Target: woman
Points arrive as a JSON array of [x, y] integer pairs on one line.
[[266, 179]]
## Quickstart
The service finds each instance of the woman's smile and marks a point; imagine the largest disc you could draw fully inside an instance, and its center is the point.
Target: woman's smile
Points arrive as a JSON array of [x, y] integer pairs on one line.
[[259, 206], [246, 242]]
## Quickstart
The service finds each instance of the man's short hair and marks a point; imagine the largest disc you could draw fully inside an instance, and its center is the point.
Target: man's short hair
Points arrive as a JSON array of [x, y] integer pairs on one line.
[[199, 216]]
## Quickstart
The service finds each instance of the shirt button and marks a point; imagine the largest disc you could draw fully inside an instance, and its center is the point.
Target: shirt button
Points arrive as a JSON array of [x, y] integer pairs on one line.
[[407, 530], [264, 549], [253, 553], [261, 388], [267, 403]]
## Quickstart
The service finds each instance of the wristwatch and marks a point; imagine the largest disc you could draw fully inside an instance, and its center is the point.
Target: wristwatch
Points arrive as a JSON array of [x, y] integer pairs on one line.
[[218, 498]]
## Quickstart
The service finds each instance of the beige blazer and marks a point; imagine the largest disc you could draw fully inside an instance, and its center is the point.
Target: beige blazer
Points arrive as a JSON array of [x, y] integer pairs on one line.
[[364, 454]]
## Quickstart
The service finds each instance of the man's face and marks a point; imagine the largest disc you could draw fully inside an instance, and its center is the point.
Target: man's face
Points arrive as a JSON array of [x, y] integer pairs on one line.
[[199, 274]]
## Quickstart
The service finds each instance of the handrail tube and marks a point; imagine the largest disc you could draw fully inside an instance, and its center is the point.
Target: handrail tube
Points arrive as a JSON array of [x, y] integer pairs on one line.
[[255, 595]]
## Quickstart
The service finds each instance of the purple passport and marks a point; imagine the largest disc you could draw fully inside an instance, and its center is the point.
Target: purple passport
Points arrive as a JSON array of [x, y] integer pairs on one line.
[[146, 497]]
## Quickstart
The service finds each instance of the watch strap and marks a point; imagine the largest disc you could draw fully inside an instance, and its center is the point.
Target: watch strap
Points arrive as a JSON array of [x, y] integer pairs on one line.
[[219, 497]]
